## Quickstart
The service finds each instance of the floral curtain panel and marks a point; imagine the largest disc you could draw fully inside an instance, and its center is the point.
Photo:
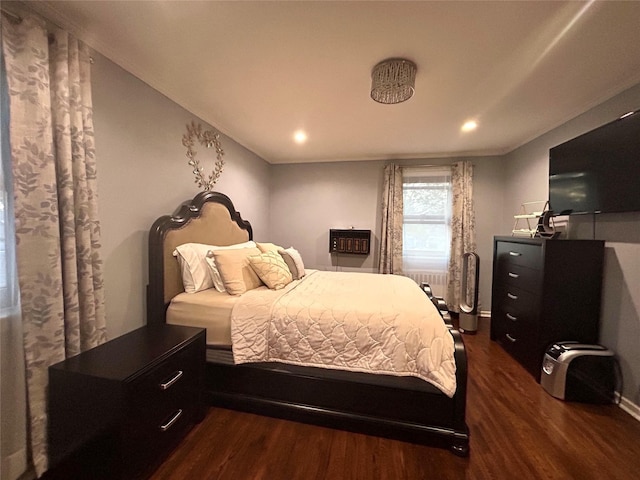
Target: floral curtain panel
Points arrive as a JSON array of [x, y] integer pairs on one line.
[[463, 229], [391, 239], [13, 403], [55, 202]]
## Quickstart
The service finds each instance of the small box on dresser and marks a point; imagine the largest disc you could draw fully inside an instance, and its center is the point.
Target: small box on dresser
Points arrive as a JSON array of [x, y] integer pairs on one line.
[[117, 410], [544, 291]]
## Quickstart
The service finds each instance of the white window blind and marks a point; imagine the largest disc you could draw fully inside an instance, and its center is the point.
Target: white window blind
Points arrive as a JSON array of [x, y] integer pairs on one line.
[[427, 198]]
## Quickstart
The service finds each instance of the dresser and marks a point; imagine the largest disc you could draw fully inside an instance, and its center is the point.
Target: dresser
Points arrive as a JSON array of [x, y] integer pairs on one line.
[[117, 410], [544, 291]]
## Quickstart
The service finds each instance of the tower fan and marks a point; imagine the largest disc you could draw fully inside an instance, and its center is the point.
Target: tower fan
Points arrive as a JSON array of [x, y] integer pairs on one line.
[[469, 293]]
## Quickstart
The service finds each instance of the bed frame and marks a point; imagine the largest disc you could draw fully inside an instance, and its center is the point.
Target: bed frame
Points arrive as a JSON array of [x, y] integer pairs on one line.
[[403, 408]]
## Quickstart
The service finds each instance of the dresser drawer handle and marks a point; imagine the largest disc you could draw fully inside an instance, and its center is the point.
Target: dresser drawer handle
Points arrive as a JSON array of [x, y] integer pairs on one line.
[[513, 275], [171, 421], [512, 296], [174, 379], [515, 254], [511, 317], [511, 339]]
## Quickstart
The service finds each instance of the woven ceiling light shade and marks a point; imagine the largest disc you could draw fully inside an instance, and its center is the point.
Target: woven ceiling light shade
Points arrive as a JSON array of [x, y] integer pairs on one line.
[[393, 80]]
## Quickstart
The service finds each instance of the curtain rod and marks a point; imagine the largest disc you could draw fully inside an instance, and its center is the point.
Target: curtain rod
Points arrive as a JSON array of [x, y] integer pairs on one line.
[[423, 166], [10, 15], [15, 18]]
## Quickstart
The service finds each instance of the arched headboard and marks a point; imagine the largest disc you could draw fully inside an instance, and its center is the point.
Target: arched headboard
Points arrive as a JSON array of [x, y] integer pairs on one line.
[[208, 218]]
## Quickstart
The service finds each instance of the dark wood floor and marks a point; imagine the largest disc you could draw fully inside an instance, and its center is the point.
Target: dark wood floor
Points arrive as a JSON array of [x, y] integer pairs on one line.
[[518, 431]]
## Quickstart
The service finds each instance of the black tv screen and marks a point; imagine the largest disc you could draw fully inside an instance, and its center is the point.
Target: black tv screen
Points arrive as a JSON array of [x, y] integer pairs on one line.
[[599, 171]]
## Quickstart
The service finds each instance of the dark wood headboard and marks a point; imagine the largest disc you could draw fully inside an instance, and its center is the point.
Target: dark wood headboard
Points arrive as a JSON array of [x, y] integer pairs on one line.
[[208, 218]]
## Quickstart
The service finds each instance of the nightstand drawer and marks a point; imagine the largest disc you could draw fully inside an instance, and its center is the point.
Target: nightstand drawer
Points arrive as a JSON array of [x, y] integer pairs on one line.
[[175, 378], [169, 387]]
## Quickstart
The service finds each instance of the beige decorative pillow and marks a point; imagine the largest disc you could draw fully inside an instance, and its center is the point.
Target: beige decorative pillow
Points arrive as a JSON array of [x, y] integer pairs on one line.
[[294, 261], [235, 271], [271, 269], [269, 247], [215, 274]]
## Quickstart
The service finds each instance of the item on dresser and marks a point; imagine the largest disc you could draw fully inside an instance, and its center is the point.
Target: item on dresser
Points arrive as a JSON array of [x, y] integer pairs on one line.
[[537, 213], [544, 291], [117, 410], [326, 395]]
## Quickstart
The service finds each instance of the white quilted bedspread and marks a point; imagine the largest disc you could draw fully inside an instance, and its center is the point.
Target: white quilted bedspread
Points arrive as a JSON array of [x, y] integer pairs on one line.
[[361, 322]]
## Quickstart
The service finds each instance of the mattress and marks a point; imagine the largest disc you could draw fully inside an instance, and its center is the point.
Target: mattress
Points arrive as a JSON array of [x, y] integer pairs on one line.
[[214, 311], [208, 309]]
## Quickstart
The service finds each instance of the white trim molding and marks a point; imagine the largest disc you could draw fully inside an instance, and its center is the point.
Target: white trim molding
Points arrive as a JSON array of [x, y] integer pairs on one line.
[[630, 407]]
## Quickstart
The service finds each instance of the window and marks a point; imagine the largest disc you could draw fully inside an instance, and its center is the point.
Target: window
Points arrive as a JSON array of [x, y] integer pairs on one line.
[[8, 285], [427, 198]]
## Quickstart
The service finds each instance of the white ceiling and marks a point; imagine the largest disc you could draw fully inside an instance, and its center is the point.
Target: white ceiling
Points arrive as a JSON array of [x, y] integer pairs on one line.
[[258, 71]]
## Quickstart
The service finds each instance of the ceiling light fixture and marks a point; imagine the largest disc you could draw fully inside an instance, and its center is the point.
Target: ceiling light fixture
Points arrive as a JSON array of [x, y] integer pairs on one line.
[[393, 81], [469, 126], [300, 136]]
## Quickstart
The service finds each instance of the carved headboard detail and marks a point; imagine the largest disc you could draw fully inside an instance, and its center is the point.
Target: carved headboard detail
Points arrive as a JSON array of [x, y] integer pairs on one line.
[[209, 218]]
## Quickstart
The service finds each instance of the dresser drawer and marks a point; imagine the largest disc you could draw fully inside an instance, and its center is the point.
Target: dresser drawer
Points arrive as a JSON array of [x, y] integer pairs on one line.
[[519, 346], [524, 254], [525, 278], [516, 303]]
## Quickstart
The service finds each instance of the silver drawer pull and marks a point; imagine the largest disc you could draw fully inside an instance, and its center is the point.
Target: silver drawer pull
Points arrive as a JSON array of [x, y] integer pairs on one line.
[[511, 317], [515, 254], [174, 379], [511, 339], [171, 421], [512, 296], [513, 275]]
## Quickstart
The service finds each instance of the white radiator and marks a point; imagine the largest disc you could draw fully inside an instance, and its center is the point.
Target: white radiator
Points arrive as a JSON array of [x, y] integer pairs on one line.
[[437, 280]]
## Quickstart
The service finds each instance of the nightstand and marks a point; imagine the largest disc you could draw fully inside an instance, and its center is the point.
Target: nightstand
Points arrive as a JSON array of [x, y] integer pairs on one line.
[[117, 410]]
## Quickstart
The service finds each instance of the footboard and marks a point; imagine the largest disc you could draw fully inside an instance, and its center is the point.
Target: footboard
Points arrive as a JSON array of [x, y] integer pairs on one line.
[[460, 399], [348, 400]]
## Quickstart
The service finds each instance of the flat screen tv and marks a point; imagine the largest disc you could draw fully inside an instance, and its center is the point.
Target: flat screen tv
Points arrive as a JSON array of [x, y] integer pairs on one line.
[[599, 171]]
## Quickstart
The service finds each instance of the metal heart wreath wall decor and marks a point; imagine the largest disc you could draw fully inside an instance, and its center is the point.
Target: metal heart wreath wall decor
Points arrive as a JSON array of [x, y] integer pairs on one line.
[[208, 139]]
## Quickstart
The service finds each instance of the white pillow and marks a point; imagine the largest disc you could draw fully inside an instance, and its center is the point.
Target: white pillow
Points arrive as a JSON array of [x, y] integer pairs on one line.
[[293, 259], [213, 266], [196, 272]]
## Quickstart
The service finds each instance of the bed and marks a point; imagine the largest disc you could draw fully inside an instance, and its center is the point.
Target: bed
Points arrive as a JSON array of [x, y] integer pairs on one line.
[[416, 406]]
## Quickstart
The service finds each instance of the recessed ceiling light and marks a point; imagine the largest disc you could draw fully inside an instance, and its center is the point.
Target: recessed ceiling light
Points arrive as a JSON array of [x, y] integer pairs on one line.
[[469, 126], [300, 136]]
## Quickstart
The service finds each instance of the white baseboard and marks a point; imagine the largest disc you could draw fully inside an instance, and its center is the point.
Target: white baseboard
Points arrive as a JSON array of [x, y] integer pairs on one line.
[[630, 407]]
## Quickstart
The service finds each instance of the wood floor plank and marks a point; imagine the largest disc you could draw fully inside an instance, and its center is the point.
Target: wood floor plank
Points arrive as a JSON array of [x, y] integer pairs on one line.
[[518, 431]]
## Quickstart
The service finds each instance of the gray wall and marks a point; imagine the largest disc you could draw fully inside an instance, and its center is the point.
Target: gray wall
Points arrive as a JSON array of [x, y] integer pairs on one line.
[[526, 171], [143, 173], [309, 199]]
